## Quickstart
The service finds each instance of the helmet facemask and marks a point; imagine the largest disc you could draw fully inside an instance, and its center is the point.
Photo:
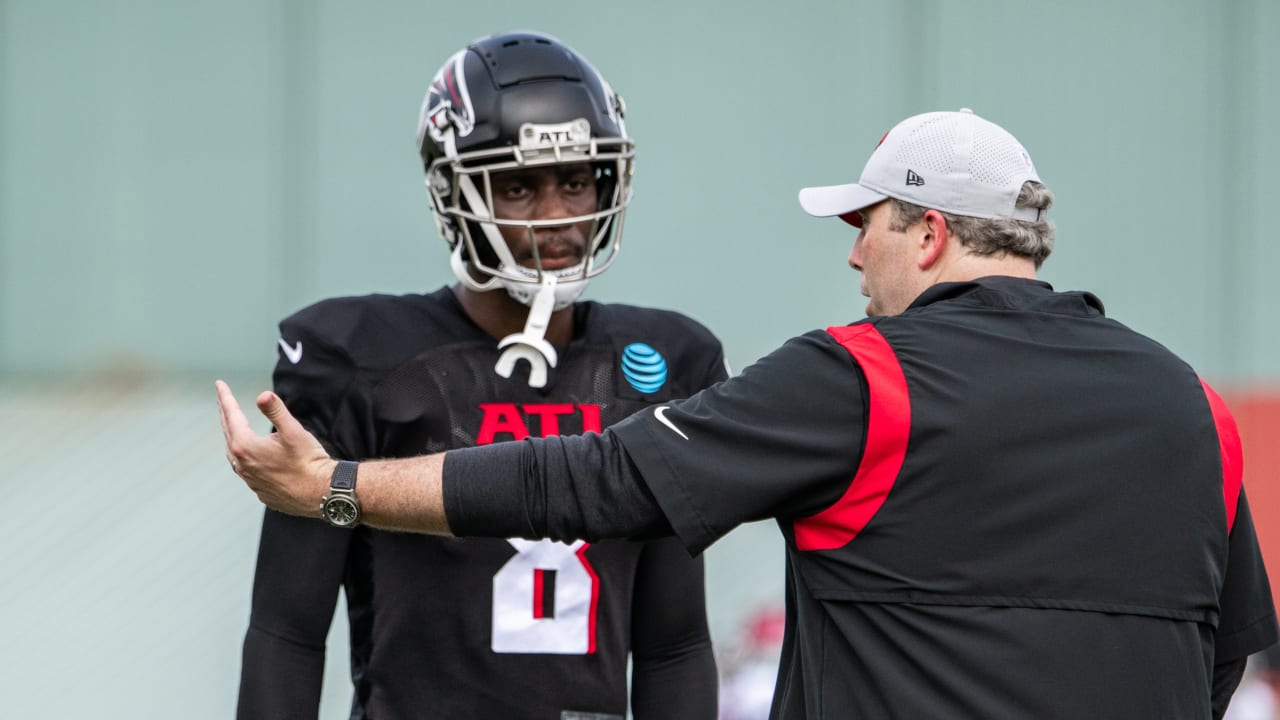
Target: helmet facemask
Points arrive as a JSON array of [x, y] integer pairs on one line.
[[461, 190]]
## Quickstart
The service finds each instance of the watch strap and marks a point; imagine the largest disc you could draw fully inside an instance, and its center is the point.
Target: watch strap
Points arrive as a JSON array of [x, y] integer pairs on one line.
[[344, 476]]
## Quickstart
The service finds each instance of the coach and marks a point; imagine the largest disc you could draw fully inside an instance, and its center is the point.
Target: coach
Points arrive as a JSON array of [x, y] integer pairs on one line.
[[997, 502]]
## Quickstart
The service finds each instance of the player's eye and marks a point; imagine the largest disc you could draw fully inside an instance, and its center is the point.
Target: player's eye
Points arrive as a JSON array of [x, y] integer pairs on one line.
[[513, 190], [578, 183]]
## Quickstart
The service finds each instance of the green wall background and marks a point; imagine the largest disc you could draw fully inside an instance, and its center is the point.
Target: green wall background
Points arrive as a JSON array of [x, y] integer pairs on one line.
[[176, 176]]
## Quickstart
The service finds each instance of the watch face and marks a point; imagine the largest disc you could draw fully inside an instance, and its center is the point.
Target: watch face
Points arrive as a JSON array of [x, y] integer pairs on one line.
[[341, 511]]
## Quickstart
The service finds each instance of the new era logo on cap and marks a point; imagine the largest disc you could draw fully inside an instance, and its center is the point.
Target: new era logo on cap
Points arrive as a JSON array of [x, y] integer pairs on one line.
[[913, 178]]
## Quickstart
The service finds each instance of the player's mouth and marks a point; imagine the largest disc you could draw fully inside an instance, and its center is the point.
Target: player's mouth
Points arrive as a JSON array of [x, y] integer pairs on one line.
[[556, 256]]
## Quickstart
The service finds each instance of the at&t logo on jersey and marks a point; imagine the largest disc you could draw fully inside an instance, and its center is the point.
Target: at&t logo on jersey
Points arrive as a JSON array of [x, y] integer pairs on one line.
[[643, 367]]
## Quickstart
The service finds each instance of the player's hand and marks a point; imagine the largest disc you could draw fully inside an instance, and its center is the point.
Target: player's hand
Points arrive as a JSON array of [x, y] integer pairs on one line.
[[288, 469]]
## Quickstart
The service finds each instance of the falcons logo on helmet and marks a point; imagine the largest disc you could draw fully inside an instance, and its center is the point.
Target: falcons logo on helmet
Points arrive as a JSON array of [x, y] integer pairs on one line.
[[448, 104]]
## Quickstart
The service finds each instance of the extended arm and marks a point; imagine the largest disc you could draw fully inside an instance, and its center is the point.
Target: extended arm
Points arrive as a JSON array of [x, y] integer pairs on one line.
[[559, 487], [754, 432]]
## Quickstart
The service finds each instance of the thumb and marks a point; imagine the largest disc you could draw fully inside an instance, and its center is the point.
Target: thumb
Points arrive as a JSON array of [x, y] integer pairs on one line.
[[270, 405]]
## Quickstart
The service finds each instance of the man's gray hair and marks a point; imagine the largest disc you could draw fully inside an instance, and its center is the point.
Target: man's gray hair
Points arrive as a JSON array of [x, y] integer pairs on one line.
[[985, 236]]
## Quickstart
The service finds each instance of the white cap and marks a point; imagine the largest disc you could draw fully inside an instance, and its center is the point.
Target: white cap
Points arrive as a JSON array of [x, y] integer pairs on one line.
[[955, 162]]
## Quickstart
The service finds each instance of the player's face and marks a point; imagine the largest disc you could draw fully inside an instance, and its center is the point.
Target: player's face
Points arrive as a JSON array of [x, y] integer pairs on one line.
[[546, 193], [886, 259]]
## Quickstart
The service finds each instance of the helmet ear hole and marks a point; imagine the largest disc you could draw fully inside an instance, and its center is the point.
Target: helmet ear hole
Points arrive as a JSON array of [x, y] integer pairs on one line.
[[606, 185]]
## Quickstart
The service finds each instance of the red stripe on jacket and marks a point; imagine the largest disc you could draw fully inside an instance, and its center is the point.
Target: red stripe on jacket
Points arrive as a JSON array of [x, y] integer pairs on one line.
[[888, 427], [1229, 449]]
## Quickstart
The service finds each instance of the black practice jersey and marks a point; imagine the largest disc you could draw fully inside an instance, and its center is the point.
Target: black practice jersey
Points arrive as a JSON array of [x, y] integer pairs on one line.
[[477, 628], [999, 504]]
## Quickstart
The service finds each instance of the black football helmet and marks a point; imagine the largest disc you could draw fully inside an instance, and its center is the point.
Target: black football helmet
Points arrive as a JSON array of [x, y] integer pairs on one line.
[[517, 100]]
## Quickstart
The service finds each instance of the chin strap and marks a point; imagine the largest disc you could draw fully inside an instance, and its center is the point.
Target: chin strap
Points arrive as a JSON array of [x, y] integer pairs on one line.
[[530, 345]]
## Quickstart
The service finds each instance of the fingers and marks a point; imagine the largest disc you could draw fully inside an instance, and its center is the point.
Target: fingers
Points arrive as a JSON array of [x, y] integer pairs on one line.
[[274, 408], [288, 469], [224, 397], [235, 426], [233, 420]]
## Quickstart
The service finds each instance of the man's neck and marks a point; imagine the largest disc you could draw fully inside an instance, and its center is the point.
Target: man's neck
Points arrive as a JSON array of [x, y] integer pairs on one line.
[[972, 267], [500, 315]]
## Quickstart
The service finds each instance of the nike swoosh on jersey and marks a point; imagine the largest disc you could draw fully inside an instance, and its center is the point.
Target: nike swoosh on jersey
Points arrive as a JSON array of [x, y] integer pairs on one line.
[[293, 352], [661, 413]]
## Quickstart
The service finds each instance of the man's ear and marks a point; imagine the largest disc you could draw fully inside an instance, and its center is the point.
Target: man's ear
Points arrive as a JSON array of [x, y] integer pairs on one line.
[[934, 240]]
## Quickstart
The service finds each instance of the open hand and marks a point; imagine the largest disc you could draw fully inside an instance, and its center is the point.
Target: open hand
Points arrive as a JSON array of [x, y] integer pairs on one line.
[[288, 469]]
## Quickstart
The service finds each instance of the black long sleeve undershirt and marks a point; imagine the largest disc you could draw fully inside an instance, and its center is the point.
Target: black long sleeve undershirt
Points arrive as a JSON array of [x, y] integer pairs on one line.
[[562, 487]]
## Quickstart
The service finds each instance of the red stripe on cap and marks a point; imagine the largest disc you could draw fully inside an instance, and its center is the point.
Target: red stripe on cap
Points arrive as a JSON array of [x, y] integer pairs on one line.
[[1229, 449], [888, 427], [853, 218], [595, 597]]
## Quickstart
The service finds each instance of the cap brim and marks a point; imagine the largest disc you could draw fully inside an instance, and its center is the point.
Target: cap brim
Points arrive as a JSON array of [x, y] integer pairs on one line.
[[842, 200]]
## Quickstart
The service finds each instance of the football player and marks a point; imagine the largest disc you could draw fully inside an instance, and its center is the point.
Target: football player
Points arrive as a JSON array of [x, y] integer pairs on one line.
[[528, 167]]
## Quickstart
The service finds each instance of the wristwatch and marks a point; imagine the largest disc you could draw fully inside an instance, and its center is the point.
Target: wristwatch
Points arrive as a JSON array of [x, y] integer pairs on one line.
[[340, 507]]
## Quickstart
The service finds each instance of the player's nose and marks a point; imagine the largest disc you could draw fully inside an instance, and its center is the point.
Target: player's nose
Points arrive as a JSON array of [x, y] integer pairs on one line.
[[855, 254], [551, 204]]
